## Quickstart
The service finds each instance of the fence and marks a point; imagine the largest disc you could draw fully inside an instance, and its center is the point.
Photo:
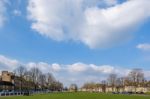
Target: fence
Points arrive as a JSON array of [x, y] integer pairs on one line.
[[27, 93]]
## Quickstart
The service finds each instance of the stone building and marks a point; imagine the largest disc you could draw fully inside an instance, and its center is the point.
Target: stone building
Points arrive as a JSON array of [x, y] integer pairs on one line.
[[121, 89], [10, 81], [6, 80]]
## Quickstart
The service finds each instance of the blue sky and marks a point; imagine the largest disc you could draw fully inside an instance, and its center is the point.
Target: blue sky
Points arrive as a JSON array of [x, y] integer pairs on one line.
[[99, 32]]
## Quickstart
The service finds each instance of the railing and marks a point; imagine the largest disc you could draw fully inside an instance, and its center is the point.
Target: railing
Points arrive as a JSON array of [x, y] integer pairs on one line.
[[27, 93]]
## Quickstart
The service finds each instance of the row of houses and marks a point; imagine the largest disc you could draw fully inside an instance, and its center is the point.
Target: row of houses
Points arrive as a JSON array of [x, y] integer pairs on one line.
[[107, 89], [8, 81]]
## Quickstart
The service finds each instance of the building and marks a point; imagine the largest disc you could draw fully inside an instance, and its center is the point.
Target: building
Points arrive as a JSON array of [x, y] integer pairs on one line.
[[9, 81], [7, 76], [73, 88], [116, 89], [6, 80]]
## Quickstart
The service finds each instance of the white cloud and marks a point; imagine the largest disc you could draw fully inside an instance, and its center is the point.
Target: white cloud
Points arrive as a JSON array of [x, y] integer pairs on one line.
[[106, 27], [2, 12], [103, 69], [144, 46], [8, 63], [94, 69], [84, 21], [44, 67], [147, 74], [77, 67], [31, 65], [56, 67]]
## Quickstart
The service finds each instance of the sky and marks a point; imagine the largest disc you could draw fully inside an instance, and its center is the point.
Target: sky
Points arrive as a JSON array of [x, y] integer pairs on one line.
[[81, 40]]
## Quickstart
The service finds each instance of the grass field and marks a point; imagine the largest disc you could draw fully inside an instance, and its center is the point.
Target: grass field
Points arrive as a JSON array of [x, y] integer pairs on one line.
[[78, 96]]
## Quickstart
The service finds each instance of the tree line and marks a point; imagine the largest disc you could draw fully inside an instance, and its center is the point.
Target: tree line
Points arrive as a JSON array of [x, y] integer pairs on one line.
[[35, 79], [135, 78]]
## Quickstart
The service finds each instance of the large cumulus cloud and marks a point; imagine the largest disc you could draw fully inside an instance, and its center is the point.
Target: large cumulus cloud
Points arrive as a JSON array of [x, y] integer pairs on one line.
[[95, 23]]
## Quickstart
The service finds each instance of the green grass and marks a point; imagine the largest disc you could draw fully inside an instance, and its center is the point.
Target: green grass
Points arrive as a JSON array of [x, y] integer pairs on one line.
[[79, 95], [148, 93]]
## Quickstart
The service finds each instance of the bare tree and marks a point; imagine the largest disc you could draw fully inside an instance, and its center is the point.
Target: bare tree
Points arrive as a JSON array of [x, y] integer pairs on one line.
[[20, 72], [42, 80], [34, 78], [35, 73], [136, 77], [52, 84], [120, 83], [112, 81], [104, 85], [90, 86], [29, 80], [73, 87], [50, 78], [56, 86]]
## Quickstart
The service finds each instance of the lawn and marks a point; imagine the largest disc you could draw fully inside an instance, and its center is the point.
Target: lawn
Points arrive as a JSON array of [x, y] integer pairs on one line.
[[78, 96]]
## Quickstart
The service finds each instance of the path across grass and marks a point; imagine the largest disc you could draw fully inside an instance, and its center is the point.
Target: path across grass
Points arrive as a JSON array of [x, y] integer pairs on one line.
[[79, 95]]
